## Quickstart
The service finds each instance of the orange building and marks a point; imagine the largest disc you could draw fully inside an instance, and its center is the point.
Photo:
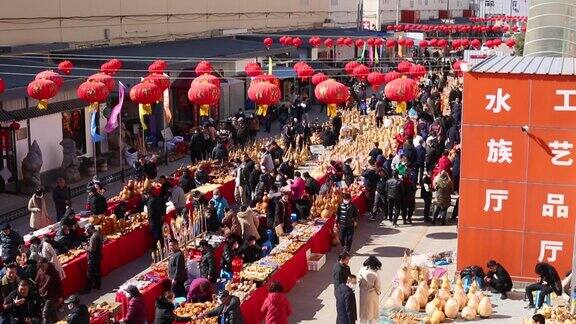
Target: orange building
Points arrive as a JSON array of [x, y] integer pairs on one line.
[[518, 173]]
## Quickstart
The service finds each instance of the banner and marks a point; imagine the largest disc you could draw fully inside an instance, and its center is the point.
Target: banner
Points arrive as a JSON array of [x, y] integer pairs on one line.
[[113, 120], [93, 129]]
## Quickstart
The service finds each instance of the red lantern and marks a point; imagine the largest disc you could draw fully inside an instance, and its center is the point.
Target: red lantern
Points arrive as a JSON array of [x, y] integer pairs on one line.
[[389, 28], [376, 79], [417, 71], [282, 40], [328, 42], [433, 42], [401, 42], [93, 92], [157, 66], [42, 90], [205, 95], [298, 65], [287, 41], [348, 41], [203, 67], [2, 86], [404, 66], [52, 76], [475, 43], [268, 42], [263, 94], [297, 42], [442, 43], [465, 43], [15, 126], [359, 43], [304, 72], [209, 78], [456, 44], [378, 42], [111, 67], [497, 42], [370, 41], [253, 69], [390, 43], [511, 42], [267, 78], [456, 67], [489, 44], [103, 78], [65, 67], [523, 29], [160, 80], [145, 93], [361, 72], [402, 89], [423, 44], [319, 77], [349, 67], [391, 76], [312, 40], [340, 41], [332, 93], [409, 43], [496, 29]]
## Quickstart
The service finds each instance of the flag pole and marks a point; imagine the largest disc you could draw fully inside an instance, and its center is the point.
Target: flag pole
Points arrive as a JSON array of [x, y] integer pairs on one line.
[[120, 133]]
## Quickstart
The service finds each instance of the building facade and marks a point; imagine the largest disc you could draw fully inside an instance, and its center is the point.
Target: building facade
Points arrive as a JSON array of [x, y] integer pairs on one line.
[[117, 21]]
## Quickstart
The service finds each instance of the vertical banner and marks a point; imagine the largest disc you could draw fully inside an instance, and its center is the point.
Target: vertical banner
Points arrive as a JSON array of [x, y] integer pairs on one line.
[[113, 120]]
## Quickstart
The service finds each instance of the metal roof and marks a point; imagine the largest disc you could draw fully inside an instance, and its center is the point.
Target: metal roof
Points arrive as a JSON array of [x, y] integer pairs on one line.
[[527, 65]]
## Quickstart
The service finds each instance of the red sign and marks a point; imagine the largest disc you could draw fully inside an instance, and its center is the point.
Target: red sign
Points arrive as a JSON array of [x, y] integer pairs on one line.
[[518, 174]]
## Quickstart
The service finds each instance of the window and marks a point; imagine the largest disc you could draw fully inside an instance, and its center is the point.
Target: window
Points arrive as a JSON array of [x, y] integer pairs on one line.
[[74, 127], [426, 2], [334, 2]]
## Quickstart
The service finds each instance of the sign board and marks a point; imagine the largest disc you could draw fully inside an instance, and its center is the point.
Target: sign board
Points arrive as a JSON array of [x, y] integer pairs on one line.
[[504, 7], [167, 134], [518, 174], [473, 57]]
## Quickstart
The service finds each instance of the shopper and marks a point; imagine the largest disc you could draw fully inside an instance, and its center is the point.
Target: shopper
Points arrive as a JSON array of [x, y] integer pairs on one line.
[[341, 271], [62, 196], [249, 222], [346, 220], [78, 312], [346, 302], [23, 305], [50, 290], [443, 187], [164, 313], [200, 291], [370, 290], [97, 202], [136, 309], [177, 269], [94, 249], [498, 278], [39, 217], [276, 307], [228, 311], [10, 240], [207, 262]]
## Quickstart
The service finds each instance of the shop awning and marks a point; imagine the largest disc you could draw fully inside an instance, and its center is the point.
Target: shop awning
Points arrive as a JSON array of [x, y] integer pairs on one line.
[[33, 112], [283, 73]]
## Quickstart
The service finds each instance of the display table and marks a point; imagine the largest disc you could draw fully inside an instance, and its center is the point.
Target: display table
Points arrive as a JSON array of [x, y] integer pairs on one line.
[[75, 270], [321, 242], [361, 203]]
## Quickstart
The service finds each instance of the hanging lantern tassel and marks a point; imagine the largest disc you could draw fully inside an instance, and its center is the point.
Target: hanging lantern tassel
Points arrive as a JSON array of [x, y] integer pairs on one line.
[[331, 110], [42, 104], [204, 110], [93, 107], [262, 110], [401, 107], [144, 109]]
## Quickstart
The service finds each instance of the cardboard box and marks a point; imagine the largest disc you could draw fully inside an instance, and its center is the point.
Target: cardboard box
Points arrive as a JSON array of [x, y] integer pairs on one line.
[[316, 261]]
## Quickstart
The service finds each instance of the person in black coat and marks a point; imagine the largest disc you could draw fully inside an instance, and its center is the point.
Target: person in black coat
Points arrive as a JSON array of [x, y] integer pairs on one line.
[[346, 302], [229, 253], [78, 312], [420, 160], [196, 146], [250, 251], [348, 172], [408, 198], [156, 211], [341, 271], [29, 311], [151, 168], [375, 151], [310, 184], [393, 194], [177, 269], [62, 197], [380, 201], [498, 278], [282, 213], [186, 182], [337, 125], [329, 137], [10, 240], [164, 313], [549, 282], [346, 220], [228, 311], [208, 262], [220, 152], [97, 202]]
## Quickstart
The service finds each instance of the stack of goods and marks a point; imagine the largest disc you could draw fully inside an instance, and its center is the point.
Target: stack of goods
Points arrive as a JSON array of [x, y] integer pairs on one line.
[[355, 189], [256, 272], [112, 228], [556, 314], [262, 207], [241, 289], [300, 157], [157, 274], [69, 256], [195, 309], [302, 232], [108, 309], [325, 206], [447, 302], [131, 190]]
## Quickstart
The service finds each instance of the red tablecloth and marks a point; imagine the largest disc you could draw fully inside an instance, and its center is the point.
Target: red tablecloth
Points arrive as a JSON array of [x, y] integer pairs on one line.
[[360, 203], [252, 305], [75, 275], [102, 319], [321, 242], [149, 295]]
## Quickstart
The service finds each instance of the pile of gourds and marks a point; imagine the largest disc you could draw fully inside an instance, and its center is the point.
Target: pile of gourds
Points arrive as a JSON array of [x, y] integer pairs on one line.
[[325, 206], [445, 302]]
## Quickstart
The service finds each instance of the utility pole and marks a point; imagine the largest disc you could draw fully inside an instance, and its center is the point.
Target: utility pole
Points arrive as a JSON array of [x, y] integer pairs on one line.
[[378, 24], [360, 15], [397, 12]]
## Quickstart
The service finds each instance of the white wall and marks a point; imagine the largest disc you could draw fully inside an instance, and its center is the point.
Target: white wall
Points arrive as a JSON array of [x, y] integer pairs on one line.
[[47, 131]]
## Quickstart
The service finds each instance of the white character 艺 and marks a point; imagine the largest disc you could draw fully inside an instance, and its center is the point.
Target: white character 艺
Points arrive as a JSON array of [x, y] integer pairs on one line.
[[561, 151]]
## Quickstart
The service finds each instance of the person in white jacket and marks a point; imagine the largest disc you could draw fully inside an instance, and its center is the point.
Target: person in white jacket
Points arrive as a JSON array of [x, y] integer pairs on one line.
[[39, 249], [370, 290]]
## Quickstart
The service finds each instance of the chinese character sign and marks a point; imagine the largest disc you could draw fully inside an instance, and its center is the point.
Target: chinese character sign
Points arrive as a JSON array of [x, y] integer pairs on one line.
[[518, 171]]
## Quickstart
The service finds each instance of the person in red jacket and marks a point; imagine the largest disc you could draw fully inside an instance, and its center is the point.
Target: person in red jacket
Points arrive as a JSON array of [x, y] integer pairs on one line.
[[276, 307], [136, 310]]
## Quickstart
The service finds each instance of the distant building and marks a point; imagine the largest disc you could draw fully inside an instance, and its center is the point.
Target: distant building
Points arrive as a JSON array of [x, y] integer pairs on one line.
[[551, 29]]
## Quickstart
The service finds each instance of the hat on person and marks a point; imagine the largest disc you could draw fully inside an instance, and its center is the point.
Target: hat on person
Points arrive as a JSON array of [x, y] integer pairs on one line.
[[224, 294], [6, 226], [73, 299]]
